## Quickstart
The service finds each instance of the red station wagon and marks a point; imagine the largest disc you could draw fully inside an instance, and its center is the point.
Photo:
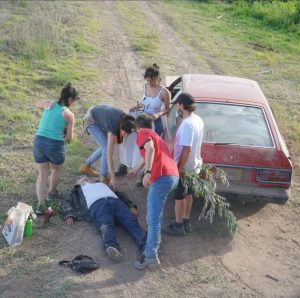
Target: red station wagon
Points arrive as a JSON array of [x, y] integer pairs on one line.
[[240, 136]]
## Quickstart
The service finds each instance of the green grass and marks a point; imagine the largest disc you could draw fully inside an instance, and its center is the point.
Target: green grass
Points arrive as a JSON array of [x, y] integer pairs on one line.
[[208, 275], [143, 37], [276, 14], [43, 46]]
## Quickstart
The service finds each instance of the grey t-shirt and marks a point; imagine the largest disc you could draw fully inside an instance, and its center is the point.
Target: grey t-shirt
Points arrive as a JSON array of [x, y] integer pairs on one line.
[[106, 118]]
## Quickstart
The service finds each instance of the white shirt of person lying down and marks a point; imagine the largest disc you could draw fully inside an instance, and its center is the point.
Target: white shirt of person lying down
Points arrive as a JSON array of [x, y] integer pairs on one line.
[[95, 191]]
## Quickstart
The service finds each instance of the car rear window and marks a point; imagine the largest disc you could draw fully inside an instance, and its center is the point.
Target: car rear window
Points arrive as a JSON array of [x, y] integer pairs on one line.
[[237, 124]]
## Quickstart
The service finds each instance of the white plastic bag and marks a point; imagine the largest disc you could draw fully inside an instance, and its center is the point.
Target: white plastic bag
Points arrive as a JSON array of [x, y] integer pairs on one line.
[[14, 226]]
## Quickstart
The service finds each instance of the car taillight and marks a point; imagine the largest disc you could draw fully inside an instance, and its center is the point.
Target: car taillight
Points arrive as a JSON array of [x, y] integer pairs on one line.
[[273, 176]]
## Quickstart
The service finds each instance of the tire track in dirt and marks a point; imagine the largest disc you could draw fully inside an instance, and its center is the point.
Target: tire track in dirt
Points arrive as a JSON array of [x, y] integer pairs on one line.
[[121, 80], [188, 60]]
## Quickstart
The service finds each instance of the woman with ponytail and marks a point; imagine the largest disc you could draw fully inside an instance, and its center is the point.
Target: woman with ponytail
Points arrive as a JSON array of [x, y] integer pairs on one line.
[[55, 127], [154, 102], [156, 98]]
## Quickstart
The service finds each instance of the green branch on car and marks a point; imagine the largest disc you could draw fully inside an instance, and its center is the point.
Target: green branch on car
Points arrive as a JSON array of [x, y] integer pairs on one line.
[[204, 188]]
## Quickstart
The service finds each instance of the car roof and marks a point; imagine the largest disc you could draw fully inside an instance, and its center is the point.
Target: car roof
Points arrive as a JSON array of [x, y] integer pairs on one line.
[[207, 86]]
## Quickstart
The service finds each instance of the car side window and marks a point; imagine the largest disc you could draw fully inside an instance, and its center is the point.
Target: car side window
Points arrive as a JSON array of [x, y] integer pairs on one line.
[[236, 124]]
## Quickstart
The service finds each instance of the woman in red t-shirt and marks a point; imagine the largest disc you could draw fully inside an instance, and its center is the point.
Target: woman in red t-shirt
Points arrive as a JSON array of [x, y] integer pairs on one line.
[[161, 178]]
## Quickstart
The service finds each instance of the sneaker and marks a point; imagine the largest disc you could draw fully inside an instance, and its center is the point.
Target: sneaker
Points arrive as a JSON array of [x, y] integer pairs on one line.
[[53, 196], [122, 170], [174, 229], [40, 209], [87, 170], [146, 262], [187, 226], [114, 254]]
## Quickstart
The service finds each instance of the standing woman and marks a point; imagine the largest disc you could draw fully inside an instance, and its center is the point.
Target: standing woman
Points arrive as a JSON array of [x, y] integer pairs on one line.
[[154, 102], [156, 98], [55, 127]]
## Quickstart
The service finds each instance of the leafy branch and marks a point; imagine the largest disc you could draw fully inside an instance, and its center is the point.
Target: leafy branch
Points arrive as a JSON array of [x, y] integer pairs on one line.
[[203, 186]]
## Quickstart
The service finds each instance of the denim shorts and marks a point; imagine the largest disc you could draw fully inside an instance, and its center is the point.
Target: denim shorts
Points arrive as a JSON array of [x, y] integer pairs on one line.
[[48, 150], [158, 124]]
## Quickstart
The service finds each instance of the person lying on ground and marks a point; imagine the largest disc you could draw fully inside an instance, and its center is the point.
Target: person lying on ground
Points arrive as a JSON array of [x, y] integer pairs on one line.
[[96, 202]]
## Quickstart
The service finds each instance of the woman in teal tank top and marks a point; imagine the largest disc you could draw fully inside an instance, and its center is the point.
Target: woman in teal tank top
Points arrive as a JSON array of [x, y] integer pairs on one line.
[[55, 127]]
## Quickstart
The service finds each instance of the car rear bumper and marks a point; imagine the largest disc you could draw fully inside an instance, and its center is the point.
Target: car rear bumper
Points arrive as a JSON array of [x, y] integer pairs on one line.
[[247, 193]]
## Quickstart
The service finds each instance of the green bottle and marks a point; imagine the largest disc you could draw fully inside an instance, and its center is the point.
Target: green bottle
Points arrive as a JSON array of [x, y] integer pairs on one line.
[[28, 228]]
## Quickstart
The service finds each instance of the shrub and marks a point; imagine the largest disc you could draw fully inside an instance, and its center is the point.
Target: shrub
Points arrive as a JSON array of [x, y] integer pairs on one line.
[[204, 188]]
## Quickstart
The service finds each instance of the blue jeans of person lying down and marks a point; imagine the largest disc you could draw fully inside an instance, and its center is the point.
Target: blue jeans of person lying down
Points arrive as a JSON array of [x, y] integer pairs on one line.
[[101, 153], [157, 195], [106, 211]]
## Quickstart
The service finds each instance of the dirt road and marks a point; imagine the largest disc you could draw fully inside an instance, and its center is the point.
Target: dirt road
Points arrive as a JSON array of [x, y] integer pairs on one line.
[[261, 260]]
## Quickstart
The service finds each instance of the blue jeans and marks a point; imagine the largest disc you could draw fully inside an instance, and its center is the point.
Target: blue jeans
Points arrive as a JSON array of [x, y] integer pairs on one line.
[[158, 193], [158, 126], [101, 153], [106, 211]]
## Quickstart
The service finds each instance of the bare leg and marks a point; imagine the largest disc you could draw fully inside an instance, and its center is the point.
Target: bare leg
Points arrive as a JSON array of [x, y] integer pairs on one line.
[[41, 182], [180, 207], [55, 177], [188, 207]]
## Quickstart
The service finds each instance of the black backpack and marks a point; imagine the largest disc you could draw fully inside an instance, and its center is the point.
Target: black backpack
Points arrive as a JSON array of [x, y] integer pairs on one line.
[[82, 264]]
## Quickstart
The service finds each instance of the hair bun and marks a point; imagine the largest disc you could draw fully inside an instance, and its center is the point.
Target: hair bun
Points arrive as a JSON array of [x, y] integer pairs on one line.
[[155, 65]]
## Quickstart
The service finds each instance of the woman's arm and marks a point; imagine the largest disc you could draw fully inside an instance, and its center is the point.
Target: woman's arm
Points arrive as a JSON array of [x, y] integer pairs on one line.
[[44, 104], [70, 119], [149, 157], [110, 163], [166, 97]]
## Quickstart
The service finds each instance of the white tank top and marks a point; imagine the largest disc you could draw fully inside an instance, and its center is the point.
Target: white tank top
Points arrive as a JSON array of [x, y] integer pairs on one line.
[[151, 105]]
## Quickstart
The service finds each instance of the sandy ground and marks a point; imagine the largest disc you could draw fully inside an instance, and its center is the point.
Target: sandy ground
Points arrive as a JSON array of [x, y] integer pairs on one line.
[[261, 260]]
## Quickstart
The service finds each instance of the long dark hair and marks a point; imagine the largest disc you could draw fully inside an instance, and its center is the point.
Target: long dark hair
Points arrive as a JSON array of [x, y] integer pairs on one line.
[[68, 92], [126, 123]]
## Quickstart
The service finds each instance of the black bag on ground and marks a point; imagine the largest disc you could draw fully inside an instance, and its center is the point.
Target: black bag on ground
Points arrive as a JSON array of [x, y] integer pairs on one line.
[[82, 264]]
